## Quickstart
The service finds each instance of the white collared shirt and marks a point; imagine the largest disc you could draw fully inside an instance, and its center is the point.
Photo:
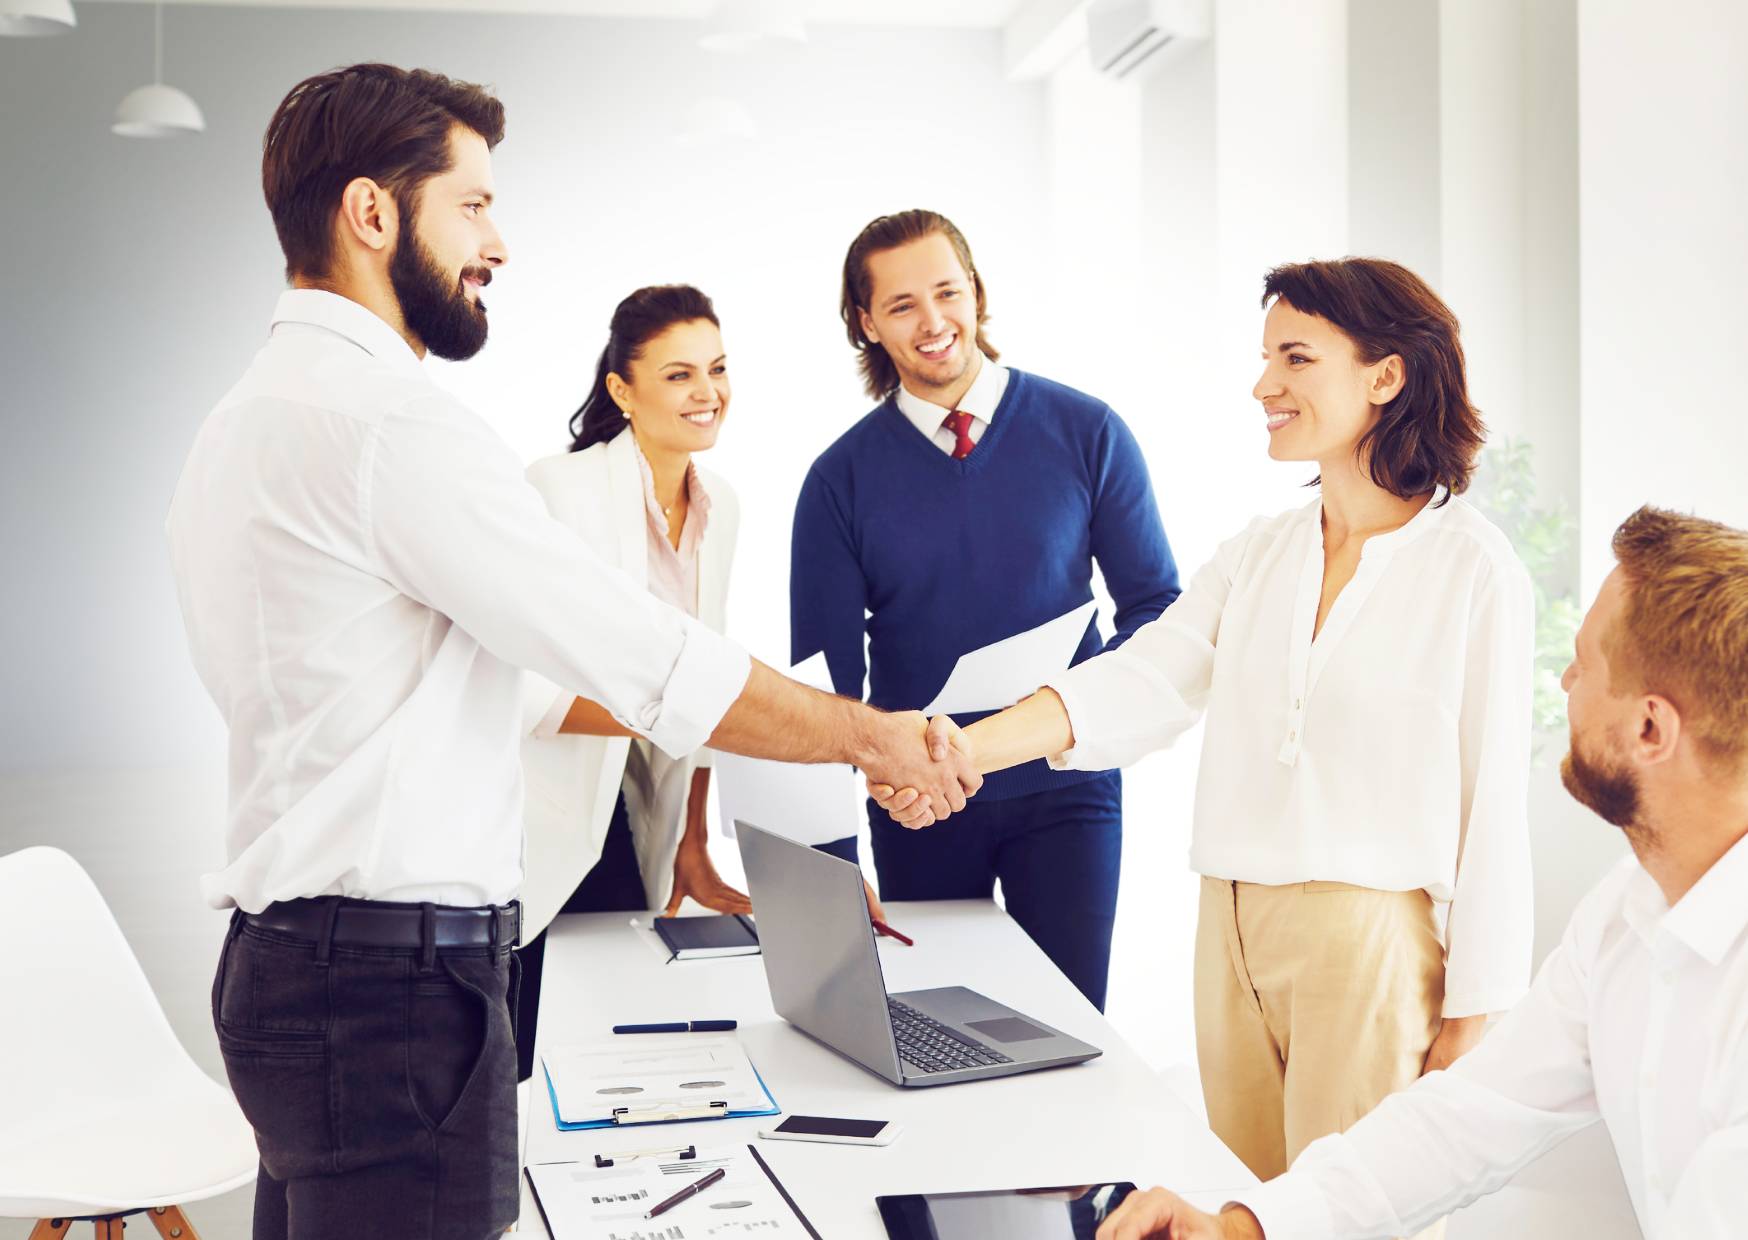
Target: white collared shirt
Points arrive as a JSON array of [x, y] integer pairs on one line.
[[363, 571], [980, 401], [1640, 1016], [1392, 752]]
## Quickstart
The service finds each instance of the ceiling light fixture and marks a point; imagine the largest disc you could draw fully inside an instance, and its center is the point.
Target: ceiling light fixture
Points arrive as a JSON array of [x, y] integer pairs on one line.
[[23, 19], [157, 111]]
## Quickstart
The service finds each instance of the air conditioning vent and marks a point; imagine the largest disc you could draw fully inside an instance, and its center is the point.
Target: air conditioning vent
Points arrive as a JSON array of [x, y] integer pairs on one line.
[[1126, 35]]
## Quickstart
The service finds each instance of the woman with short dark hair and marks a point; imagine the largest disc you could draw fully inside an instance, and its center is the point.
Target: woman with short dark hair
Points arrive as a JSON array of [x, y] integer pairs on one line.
[[1364, 666]]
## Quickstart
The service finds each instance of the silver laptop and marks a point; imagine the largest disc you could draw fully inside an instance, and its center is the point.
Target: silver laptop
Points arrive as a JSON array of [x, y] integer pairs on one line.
[[824, 972]]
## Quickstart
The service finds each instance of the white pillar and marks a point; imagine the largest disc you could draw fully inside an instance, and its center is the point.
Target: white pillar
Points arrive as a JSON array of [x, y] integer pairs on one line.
[[1664, 263], [1481, 148]]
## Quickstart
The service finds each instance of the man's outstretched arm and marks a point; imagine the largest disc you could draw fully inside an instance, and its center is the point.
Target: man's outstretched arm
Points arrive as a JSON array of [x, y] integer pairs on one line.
[[775, 717]]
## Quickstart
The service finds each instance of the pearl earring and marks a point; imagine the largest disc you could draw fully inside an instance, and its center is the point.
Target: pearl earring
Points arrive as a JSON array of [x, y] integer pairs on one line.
[[626, 414]]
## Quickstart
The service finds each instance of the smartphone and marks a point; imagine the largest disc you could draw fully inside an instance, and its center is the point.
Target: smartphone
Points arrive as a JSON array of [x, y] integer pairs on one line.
[[836, 1131]]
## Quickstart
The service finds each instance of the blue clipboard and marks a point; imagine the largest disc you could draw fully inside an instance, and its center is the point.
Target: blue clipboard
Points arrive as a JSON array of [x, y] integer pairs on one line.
[[627, 1117]]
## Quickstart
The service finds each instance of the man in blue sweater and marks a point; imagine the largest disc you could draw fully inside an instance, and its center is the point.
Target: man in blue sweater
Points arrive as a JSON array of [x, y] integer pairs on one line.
[[969, 506]]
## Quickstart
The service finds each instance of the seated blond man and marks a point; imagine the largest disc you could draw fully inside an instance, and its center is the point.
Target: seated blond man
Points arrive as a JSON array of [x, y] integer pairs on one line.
[[1640, 1016]]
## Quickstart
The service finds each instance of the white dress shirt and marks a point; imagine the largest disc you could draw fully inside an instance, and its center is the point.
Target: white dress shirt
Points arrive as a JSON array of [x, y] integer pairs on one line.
[[1640, 1016], [980, 401], [1392, 752], [363, 571]]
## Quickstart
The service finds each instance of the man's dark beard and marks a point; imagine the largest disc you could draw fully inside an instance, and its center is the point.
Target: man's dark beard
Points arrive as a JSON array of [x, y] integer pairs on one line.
[[436, 311], [1613, 792]]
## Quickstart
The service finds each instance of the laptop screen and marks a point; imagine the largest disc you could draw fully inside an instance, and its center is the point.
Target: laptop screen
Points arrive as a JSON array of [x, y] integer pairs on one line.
[[818, 947]]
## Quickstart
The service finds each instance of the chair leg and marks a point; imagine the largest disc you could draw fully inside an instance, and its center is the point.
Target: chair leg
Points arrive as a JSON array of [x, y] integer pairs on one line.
[[107, 1228], [50, 1228], [171, 1223]]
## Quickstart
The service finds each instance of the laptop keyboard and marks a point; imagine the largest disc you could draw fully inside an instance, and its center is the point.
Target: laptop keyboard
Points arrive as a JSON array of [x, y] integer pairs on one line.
[[929, 1046]]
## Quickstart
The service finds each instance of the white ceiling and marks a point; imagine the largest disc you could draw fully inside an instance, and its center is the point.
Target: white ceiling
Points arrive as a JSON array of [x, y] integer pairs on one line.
[[969, 14]]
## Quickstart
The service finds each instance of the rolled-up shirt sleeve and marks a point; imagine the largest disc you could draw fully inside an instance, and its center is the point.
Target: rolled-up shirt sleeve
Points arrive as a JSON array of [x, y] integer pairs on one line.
[[1457, 1135], [453, 524], [1126, 703], [1491, 930]]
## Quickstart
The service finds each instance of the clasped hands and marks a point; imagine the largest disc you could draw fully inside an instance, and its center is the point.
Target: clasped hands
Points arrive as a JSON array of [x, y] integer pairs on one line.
[[921, 793]]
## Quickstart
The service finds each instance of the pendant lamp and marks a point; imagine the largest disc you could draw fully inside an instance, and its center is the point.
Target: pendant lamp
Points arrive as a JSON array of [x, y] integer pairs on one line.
[[32, 18], [157, 111]]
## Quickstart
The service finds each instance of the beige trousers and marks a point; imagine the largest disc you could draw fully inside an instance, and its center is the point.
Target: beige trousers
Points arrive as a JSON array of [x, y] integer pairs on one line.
[[1313, 1002]]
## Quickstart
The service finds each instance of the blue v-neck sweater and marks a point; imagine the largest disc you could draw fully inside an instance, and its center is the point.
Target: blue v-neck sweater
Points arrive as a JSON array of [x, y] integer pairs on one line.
[[934, 557]]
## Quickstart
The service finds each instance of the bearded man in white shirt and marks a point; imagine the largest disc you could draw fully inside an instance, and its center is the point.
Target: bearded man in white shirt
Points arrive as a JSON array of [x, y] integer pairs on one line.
[[1640, 1016], [363, 573]]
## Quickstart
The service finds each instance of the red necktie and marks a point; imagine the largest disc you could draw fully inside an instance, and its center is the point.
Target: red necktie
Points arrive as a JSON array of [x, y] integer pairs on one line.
[[960, 424]]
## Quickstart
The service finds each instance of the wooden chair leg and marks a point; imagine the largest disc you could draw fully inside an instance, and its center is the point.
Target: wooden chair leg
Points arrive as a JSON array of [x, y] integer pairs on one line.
[[107, 1228], [50, 1228], [171, 1223]]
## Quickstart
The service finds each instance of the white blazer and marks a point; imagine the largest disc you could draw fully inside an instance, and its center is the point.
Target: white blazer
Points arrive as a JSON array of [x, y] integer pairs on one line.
[[572, 782]]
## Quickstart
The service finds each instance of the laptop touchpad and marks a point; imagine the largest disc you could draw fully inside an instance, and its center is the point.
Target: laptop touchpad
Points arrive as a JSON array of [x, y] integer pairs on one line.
[[1007, 1029]]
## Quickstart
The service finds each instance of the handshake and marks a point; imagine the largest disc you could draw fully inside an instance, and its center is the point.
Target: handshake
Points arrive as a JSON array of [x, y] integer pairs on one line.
[[920, 785]]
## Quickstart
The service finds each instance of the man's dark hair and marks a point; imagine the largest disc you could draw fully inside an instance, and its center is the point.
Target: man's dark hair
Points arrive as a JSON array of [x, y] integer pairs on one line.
[[391, 125], [1429, 434], [879, 375]]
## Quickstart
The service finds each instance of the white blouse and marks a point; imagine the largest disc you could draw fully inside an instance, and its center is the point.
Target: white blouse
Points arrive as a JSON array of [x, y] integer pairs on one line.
[[1392, 752]]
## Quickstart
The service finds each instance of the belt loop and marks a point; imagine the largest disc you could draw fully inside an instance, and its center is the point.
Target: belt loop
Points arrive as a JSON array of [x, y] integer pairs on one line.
[[330, 915], [497, 933], [427, 937]]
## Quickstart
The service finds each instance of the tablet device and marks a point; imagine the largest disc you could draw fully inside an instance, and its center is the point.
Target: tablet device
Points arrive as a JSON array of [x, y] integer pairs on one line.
[[1069, 1213]]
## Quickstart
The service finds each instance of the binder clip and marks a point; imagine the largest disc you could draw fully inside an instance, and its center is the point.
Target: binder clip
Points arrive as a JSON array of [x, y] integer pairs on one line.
[[626, 1116], [683, 1153]]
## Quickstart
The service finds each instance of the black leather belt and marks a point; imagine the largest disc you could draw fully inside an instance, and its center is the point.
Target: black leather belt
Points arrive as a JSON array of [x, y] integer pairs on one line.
[[380, 923]]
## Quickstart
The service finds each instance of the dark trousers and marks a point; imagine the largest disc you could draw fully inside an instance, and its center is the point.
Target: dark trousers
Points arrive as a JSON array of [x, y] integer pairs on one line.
[[614, 885], [381, 1084], [1057, 853]]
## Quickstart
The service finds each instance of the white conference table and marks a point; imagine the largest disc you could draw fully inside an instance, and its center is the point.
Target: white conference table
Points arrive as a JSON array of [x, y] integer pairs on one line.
[[1109, 1119]]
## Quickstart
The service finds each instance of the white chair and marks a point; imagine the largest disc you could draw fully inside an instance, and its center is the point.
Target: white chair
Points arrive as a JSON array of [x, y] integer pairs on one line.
[[103, 1112]]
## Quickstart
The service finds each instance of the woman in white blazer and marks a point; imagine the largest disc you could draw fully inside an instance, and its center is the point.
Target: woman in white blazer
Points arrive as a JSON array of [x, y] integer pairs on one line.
[[612, 822]]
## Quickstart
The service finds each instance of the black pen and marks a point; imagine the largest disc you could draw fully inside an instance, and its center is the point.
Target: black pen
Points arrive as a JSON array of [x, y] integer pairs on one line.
[[679, 1026], [691, 1190]]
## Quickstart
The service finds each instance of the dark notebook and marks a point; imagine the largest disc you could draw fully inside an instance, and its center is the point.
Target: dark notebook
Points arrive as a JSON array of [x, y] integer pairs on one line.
[[699, 938]]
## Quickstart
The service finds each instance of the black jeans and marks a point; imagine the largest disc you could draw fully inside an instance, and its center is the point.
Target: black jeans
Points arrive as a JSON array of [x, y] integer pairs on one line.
[[382, 1091], [613, 885]]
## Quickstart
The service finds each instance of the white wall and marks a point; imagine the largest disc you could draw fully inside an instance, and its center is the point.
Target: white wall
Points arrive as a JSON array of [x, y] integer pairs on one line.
[[1664, 266]]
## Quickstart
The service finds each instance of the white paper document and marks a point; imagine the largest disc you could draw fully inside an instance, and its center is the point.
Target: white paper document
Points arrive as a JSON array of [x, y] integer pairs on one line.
[[652, 1072], [811, 803], [584, 1202], [1001, 673]]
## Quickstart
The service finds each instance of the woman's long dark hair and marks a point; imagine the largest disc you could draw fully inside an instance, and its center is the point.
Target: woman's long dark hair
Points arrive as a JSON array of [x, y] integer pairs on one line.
[[637, 320]]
